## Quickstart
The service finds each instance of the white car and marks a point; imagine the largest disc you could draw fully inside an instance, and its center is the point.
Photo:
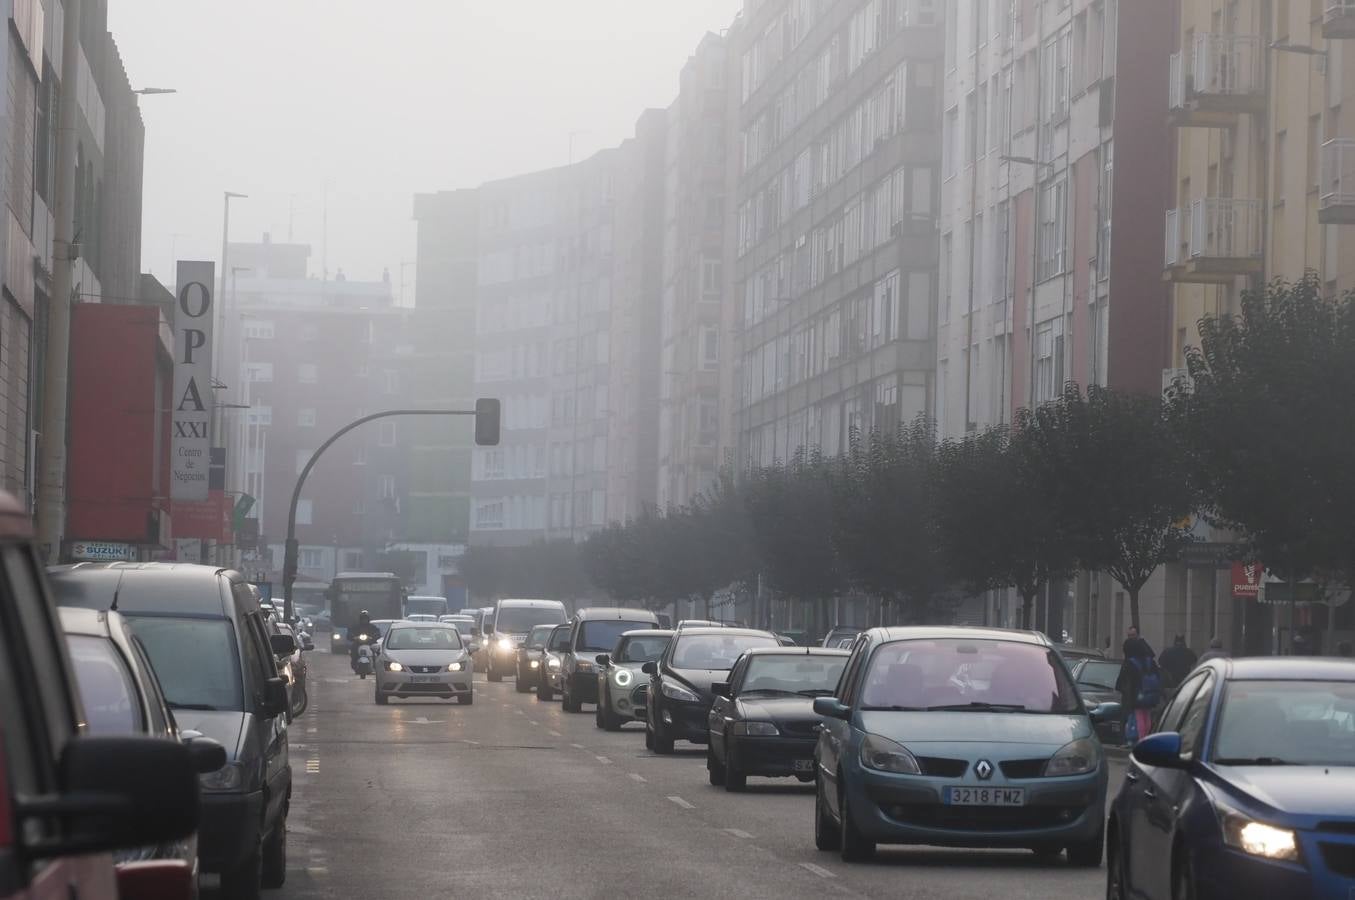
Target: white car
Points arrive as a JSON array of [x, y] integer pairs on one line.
[[420, 617], [423, 659]]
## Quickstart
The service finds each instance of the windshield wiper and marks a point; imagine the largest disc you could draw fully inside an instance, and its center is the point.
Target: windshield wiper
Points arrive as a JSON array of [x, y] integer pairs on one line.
[[201, 707], [1254, 761], [977, 707], [815, 692], [892, 709], [767, 691]]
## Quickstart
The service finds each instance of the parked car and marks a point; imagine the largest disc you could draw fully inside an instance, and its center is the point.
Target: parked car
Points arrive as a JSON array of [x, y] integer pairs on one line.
[[125, 791], [594, 631], [1096, 683], [1246, 789], [841, 636], [622, 688], [762, 721], [680, 680], [211, 649], [1072, 653], [970, 737], [293, 668], [549, 682], [509, 624], [531, 656], [483, 617], [423, 659], [121, 696]]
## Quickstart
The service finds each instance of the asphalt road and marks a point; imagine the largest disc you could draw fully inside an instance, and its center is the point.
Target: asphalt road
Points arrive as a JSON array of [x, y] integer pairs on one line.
[[512, 797]]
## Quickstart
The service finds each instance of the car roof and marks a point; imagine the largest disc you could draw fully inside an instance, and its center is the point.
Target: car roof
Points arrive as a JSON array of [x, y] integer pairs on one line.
[[796, 651], [613, 612], [366, 575], [962, 632], [648, 632], [526, 602], [1285, 668], [716, 630], [89, 622], [163, 588], [415, 623]]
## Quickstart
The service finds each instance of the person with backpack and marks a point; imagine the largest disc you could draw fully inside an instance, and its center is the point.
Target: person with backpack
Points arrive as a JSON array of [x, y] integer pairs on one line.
[[1140, 687]]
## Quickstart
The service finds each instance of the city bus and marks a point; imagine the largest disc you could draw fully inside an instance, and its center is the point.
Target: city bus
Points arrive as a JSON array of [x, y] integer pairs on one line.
[[382, 594]]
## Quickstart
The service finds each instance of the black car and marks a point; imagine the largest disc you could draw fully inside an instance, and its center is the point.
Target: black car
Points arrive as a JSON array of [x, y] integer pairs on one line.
[[1096, 683], [531, 657], [680, 697], [763, 721]]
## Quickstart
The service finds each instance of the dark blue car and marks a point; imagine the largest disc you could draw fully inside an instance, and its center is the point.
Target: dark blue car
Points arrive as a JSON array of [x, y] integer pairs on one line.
[[1247, 789]]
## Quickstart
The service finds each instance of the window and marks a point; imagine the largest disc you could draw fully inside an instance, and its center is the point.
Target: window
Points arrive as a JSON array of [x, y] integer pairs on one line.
[[352, 560], [392, 381], [1192, 724], [305, 417], [920, 301], [312, 558], [388, 433], [491, 463], [303, 511], [489, 514], [710, 276], [258, 330], [710, 347], [1053, 234], [110, 699], [307, 373], [386, 487], [310, 332], [1048, 360], [302, 457], [950, 138], [360, 455], [258, 372], [261, 415]]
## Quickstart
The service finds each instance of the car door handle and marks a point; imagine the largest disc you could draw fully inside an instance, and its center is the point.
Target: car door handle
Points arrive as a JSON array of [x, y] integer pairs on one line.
[[1150, 793], [1131, 777]]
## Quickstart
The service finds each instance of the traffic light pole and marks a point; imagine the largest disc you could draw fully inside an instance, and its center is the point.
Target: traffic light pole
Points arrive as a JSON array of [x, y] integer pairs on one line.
[[486, 413]]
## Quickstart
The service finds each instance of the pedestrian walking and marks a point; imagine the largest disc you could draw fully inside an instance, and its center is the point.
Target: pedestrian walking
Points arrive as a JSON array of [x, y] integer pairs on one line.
[[1176, 662], [1140, 687], [1215, 650]]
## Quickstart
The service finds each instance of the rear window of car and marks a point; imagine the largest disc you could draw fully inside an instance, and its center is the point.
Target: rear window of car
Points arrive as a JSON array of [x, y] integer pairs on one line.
[[106, 688], [716, 651], [600, 636]]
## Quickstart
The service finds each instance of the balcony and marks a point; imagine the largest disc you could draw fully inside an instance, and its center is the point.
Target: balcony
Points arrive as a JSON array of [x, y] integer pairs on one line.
[[1338, 20], [1213, 241], [1336, 191], [1219, 80]]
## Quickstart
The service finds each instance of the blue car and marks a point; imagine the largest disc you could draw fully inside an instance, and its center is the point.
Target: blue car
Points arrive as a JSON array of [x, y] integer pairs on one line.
[[1247, 790], [962, 737]]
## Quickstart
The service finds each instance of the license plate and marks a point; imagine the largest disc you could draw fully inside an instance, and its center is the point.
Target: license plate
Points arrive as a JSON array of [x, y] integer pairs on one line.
[[422, 679], [804, 765], [994, 796]]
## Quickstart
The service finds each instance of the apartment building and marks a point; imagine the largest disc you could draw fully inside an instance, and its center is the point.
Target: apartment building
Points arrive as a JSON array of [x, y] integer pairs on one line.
[[836, 243]]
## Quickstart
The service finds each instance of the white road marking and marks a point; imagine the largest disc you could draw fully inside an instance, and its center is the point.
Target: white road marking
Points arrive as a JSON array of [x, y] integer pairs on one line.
[[577, 746], [317, 870], [739, 833], [424, 720], [817, 870], [554, 734], [604, 760], [636, 776], [682, 803], [311, 730]]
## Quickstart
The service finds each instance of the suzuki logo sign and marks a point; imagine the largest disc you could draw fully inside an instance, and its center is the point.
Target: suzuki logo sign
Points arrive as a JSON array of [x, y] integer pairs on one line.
[[191, 413]]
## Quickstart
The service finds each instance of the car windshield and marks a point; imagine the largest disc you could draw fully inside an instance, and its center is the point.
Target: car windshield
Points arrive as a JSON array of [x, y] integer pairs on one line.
[[434, 637], [601, 636], [106, 689], [559, 639], [716, 651], [967, 675], [1306, 723], [195, 660], [536, 638], [793, 674], [520, 619], [1098, 674], [464, 627], [642, 649]]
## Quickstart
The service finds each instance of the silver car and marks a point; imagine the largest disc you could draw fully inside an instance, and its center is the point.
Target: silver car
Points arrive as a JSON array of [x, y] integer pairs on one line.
[[423, 659], [622, 687]]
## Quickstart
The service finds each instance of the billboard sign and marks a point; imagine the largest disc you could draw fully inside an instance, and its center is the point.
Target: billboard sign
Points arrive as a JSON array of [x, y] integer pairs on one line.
[[102, 551], [191, 412], [1247, 580]]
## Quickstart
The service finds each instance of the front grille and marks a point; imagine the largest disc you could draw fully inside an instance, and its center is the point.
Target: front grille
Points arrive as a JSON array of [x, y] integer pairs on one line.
[[640, 695], [984, 818], [1023, 768], [424, 670], [801, 729], [1340, 858], [940, 767], [415, 688]]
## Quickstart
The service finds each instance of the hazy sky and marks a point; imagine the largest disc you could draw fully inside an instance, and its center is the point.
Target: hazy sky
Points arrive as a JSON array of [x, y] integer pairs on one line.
[[381, 101]]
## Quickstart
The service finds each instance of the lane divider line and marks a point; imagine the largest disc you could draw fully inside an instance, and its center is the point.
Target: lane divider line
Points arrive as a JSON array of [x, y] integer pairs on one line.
[[604, 760], [817, 870], [636, 776], [738, 833], [682, 803]]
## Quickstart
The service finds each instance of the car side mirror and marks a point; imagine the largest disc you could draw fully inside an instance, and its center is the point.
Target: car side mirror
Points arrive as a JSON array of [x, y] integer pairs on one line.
[[1105, 712], [604, 659], [832, 708], [720, 688], [1162, 750], [650, 668], [117, 793], [282, 644], [274, 697], [208, 755]]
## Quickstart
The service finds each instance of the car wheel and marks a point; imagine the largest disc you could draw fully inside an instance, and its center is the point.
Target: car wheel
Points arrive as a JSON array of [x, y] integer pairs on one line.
[[363, 676], [245, 881], [610, 720], [382, 699], [543, 690], [493, 674], [663, 743], [466, 699], [715, 771], [826, 836], [649, 738], [1115, 888], [853, 846], [1183, 876], [522, 684], [1087, 854], [274, 873], [567, 701]]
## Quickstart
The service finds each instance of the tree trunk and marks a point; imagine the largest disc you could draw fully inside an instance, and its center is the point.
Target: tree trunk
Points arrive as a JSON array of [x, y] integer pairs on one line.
[[1027, 608], [1134, 608]]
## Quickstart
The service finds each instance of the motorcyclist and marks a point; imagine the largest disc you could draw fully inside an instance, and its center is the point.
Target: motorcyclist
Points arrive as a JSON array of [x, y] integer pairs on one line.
[[356, 639]]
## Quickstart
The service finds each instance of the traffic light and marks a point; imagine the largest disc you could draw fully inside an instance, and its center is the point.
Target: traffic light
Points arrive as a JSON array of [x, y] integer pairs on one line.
[[487, 411]]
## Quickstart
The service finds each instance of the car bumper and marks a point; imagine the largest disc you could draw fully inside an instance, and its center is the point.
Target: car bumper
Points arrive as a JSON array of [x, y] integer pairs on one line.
[[628, 702], [771, 756], [583, 687], [685, 721], [526, 672], [229, 829], [1222, 873], [907, 809], [446, 684]]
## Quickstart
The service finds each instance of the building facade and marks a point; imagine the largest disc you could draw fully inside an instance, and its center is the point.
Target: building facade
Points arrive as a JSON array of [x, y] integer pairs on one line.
[[836, 242]]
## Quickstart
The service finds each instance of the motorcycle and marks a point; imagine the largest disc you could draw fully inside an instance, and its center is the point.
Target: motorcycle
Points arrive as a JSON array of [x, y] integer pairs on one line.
[[363, 666]]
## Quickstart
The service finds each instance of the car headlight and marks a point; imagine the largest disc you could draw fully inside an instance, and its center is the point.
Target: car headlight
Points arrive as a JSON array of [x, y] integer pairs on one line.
[[1076, 758], [553, 662], [227, 778], [505, 643], [454, 667], [334, 636], [675, 691], [583, 665], [393, 666], [884, 755], [363, 637], [536, 664], [755, 729], [622, 677], [1254, 838]]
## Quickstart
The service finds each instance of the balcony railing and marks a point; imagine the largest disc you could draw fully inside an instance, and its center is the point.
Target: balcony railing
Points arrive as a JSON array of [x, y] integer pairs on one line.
[[1336, 191], [1338, 20], [1214, 240], [1176, 82], [1221, 77], [1176, 231]]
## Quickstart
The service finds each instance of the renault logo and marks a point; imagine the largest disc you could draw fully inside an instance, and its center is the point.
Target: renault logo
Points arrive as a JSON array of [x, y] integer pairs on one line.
[[984, 770]]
